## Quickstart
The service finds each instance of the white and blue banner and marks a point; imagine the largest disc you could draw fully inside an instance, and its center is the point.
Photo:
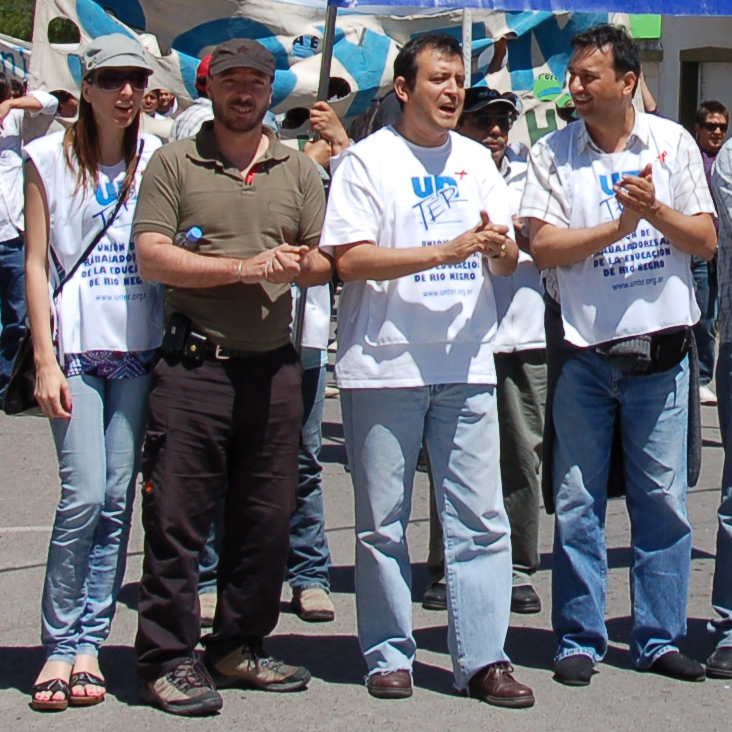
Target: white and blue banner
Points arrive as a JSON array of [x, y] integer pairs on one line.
[[179, 32], [15, 57], [659, 7]]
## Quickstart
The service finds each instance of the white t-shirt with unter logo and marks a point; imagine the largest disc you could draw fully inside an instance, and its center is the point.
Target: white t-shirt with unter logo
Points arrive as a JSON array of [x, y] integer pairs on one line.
[[642, 283], [105, 306], [431, 327]]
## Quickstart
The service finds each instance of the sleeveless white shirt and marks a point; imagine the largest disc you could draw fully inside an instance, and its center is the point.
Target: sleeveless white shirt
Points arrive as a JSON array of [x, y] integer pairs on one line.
[[105, 306]]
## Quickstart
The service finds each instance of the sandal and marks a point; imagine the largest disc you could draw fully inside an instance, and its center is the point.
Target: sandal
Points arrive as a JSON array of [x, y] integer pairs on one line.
[[84, 678], [51, 705]]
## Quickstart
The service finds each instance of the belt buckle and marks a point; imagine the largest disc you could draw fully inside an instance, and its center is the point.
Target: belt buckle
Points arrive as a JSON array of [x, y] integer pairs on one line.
[[219, 356]]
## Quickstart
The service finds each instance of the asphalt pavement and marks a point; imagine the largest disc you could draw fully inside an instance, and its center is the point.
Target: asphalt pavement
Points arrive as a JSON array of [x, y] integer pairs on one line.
[[618, 699]]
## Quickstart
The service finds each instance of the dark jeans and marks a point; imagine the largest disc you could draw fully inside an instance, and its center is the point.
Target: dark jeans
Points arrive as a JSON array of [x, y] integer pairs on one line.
[[705, 331], [309, 558], [12, 304], [226, 429]]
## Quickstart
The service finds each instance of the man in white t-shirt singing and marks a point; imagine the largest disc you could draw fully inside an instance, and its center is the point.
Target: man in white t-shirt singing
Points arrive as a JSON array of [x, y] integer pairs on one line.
[[618, 203], [418, 215]]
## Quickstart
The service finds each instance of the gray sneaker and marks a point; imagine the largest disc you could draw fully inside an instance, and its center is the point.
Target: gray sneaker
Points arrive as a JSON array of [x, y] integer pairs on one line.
[[187, 690], [249, 666]]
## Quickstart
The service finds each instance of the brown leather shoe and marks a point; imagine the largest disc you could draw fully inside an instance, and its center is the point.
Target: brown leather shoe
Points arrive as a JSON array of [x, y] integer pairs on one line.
[[495, 685], [390, 684]]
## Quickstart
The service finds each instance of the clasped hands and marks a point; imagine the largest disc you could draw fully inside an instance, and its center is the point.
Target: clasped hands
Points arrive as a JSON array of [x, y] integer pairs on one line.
[[487, 238], [637, 195], [277, 266]]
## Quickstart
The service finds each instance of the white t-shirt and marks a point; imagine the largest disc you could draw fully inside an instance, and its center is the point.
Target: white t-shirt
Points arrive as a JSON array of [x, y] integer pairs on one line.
[[316, 325], [520, 297], [435, 326], [642, 283], [105, 306], [11, 163]]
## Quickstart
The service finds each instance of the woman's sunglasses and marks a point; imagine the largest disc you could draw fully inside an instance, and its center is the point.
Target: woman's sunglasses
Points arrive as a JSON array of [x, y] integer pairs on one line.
[[712, 126], [113, 80]]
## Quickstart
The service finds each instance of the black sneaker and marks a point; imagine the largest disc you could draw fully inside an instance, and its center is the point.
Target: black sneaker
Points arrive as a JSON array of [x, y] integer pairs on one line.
[[435, 597], [574, 670], [187, 690], [676, 665], [249, 666]]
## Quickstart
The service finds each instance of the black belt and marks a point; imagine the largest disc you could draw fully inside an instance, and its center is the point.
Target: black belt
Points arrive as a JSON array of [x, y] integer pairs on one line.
[[221, 353]]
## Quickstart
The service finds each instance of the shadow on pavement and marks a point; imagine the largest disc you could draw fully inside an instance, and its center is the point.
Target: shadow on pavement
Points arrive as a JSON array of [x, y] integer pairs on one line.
[[335, 659], [332, 431], [19, 667], [128, 595]]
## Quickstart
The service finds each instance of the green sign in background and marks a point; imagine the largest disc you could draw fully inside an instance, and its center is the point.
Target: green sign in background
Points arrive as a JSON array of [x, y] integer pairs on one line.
[[645, 26]]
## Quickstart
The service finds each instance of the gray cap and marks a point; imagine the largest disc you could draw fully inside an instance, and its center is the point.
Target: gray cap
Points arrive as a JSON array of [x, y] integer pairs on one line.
[[114, 50]]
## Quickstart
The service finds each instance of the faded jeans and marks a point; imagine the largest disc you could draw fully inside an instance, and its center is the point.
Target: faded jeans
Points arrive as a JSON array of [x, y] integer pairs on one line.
[[384, 430], [99, 456], [653, 413]]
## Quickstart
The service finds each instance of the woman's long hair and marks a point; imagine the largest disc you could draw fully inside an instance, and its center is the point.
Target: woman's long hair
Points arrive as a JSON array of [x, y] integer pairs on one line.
[[81, 148]]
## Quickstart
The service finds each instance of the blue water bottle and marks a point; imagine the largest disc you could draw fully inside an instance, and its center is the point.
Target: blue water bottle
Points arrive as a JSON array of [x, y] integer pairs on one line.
[[189, 239]]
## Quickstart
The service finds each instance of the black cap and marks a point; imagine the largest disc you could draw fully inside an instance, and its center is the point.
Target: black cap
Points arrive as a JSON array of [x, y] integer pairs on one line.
[[478, 97], [241, 53]]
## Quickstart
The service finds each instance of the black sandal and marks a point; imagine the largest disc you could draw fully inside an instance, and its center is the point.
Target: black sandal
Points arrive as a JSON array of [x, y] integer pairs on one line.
[[51, 705], [84, 678]]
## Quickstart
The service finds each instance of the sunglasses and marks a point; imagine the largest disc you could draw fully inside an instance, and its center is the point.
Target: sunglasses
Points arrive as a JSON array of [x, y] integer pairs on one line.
[[712, 126], [113, 80], [489, 121]]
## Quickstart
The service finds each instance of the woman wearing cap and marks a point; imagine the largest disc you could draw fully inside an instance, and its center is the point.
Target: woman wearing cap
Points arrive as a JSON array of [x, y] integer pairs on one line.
[[93, 361]]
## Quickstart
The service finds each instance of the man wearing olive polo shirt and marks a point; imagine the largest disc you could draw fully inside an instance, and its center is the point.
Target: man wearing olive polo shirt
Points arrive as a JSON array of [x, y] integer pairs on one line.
[[225, 408]]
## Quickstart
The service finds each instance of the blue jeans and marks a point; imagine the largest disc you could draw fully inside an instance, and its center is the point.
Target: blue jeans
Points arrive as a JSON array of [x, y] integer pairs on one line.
[[722, 584], [705, 331], [12, 305], [653, 414], [308, 562], [99, 455], [384, 430]]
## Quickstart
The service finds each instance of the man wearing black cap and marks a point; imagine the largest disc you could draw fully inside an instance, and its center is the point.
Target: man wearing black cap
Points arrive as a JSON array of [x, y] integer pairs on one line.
[[519, 348], [225, 408], [520, 355]]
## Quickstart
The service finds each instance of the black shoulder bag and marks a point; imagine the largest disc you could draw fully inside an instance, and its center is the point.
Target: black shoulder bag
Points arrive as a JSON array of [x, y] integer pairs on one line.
[[19, 396]]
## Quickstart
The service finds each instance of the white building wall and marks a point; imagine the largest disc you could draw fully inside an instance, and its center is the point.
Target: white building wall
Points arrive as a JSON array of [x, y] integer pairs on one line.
[[688, 33]]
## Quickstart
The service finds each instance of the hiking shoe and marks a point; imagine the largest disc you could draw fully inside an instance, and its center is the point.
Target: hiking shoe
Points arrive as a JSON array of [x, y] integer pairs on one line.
[[312, 605], [187, 690], [249, 666]]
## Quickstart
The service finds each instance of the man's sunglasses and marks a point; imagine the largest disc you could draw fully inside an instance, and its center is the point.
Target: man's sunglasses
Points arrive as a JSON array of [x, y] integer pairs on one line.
[[489, 121], [113, 80], [712, 126]]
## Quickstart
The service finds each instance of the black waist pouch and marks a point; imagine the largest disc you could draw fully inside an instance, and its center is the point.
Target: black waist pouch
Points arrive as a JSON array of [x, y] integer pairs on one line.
[[669, 349]]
